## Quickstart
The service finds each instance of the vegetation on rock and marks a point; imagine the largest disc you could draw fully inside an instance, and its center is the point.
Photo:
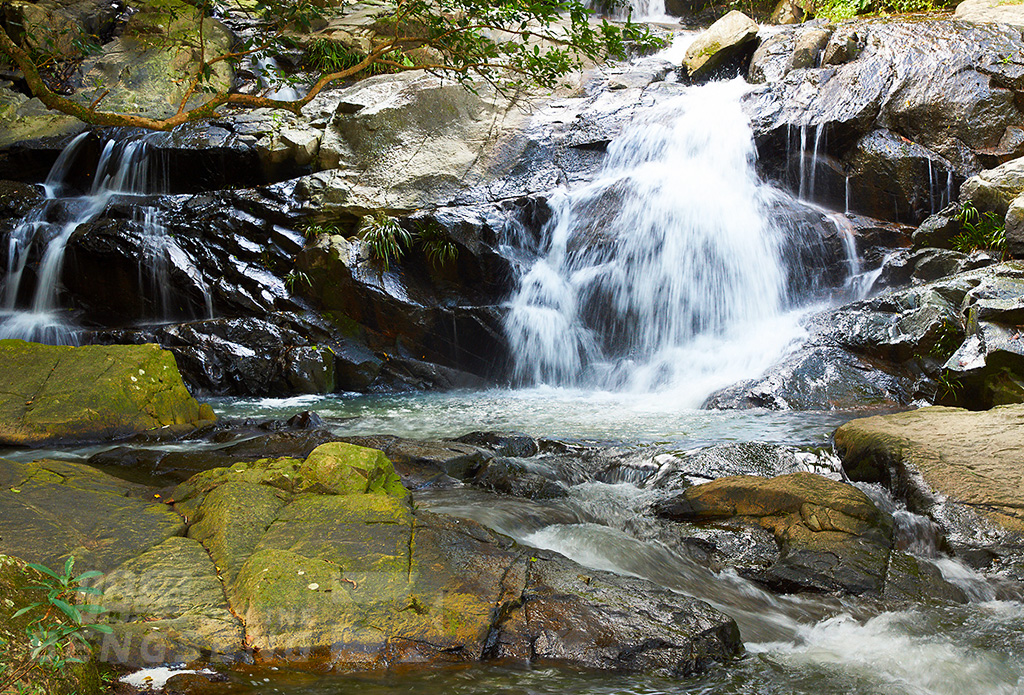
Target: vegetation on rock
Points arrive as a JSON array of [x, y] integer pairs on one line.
[[509, 42]]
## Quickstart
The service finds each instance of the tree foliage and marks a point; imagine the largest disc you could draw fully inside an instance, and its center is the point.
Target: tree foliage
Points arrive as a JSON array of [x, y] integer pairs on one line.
[[506, 42]]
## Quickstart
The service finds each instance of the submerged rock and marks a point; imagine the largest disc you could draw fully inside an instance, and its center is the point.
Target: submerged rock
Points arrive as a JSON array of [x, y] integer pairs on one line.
[[92, 393]]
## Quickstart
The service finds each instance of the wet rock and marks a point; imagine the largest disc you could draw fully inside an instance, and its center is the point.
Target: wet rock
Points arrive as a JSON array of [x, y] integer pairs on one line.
[[54, 509], [723, 42], [348, 285], [1013, 230], [16, 199], [831, 536], [816, 377], [503, 443], [520, 477], [868, 81], [91, 393], [306, 573], [424, 462], [957, 467], [939, 229], [891, 177]]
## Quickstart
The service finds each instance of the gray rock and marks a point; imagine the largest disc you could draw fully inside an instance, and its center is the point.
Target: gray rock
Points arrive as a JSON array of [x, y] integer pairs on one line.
[[990, 12], [721, 42], [994, 189]]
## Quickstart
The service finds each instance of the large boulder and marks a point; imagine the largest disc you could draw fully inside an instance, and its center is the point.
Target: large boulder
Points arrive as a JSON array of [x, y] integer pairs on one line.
[[994, 189], [721, 43], [91, 393], [960, 468], [831, 535], [990, 12], [952, 120], [326, 558]]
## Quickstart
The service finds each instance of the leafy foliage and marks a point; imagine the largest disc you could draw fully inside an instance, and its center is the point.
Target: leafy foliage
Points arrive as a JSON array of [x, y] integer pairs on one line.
[[437, 246], [325, 55], [838, 10], [385, 239], [56, 635], [947, 341], [509, 43], [980, 231]]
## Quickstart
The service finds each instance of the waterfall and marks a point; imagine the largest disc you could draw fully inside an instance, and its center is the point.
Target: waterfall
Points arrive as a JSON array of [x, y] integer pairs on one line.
[[670, 270], [125, 168]]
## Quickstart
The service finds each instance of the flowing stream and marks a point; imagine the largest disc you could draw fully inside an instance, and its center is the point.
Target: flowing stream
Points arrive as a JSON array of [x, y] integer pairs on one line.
[[674, 273]]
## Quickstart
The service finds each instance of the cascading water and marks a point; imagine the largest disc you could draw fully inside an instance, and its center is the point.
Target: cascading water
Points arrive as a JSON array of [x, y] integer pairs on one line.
[[672, 270], [125, 169]]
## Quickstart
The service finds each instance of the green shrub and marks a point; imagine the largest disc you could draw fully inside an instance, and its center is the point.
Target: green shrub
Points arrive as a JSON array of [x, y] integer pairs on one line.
[[385, 239], [437, 246], [980, 231], [44, 654], [329, 56]]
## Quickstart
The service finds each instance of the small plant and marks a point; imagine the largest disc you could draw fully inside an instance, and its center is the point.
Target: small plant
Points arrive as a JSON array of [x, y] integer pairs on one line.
[[385, 239], [436, 245], [947, 341], [57, 636], [948, 387], [296, 276], [980, 231]]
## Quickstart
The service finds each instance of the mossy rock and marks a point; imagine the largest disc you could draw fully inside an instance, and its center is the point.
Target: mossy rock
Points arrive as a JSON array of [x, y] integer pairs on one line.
[[51, 394], [52, 510], [17, 590]]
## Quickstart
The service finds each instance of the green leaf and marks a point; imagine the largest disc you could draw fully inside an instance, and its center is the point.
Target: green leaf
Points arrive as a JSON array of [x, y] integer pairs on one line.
[[43, 570], [25, 610], [91, 574], [68, 610]]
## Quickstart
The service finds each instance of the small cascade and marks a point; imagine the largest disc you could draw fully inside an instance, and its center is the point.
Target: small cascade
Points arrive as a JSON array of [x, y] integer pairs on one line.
[[271, 80], [673, 269], [808, 160], [125, 169], [638, 10]]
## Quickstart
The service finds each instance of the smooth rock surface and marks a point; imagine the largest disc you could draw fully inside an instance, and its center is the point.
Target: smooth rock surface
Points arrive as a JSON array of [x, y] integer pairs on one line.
[[960, 468], [91, 393]]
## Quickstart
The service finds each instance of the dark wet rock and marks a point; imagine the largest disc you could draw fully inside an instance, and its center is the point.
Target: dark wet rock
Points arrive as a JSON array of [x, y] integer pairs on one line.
[[724, 42], [93, 393], [869, 81], [957, 467], [17, 198], [939, 229], [392, 305], [891, 177], [831, 536], [520, 477], [503, 443]]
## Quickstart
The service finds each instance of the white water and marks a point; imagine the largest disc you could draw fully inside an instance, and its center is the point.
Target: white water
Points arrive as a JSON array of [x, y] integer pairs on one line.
[[667, 273], [125, 169]]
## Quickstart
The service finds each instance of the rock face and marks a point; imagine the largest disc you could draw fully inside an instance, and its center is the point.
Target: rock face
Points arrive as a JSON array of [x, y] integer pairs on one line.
[[960, 468], [722, 42], [872, 105], [326, 559], [831, 536], [990, 12], [953, 340], [53, 510], [90, 393]]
